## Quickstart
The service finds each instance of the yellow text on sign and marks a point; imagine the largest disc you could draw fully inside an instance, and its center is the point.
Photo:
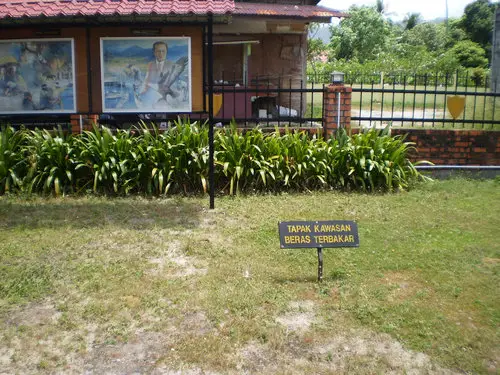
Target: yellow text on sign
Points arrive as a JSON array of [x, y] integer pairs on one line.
[[319, 228], [318, 234], [337, 238], [297, 239]]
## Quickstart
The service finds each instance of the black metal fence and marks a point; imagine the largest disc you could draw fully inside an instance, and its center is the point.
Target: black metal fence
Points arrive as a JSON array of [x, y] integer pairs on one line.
[[422, 100], [261, 101], [458, 78], [268, 101], [377, 100]]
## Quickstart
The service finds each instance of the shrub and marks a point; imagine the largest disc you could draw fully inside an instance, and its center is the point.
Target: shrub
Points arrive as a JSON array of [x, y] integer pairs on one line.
[[379, 161], [188, 145], [144, 160], [478, 76], [12, 160], [107, 157], [51, 159]]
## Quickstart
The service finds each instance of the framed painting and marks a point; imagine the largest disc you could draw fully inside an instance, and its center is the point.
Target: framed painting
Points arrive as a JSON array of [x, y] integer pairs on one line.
[[146, 75], [37, 76]]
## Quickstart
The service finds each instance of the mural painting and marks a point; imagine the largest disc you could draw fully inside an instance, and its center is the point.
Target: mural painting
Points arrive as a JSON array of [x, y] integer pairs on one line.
[[146, 74], [37, 76]]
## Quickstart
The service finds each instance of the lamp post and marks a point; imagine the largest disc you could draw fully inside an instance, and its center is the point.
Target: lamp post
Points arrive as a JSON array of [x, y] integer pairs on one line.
[[337, 77]]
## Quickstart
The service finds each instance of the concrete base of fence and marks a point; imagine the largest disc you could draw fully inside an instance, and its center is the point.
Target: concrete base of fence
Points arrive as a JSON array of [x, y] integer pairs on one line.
[[468, 171]]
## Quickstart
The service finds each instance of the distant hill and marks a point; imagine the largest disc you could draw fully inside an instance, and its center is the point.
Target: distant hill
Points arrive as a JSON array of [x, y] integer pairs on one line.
[[437, 20], [133, 51], [322, 33]]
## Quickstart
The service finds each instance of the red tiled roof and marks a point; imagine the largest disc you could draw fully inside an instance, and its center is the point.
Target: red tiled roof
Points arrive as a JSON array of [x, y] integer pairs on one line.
[[61, 8], [285, 10]]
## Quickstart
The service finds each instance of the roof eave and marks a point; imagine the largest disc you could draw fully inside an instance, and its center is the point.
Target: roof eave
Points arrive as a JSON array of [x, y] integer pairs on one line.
[[96, 20], [318, 19]]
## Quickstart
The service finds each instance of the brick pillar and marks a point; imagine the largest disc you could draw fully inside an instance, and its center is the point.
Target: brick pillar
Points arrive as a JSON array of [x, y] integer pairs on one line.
[[87, 122], [331, 108]]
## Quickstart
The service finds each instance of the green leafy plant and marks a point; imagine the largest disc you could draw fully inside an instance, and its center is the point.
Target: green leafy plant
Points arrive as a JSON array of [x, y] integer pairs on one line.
[[107, 157], [376, 160], [149, 161], [12, 161], [236, 156], [188, 144], [51, 162], [152, 159]]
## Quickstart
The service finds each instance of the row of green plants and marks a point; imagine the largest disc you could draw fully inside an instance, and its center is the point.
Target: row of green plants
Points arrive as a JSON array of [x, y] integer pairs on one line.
[[371, 73], [144, 160]]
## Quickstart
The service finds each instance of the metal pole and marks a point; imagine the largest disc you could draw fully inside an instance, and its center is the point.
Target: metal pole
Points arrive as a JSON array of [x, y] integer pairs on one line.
[[320, 264], [204, 63], [338, 110], [211, 177], [89, 71]]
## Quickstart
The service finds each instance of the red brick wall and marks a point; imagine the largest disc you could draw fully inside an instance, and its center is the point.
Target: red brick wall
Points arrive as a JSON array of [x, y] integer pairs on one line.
[[87, 122], [455, 147]]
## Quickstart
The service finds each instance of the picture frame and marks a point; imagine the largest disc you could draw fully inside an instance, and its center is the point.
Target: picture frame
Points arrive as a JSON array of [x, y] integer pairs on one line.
[[146, 74], [37, 76]]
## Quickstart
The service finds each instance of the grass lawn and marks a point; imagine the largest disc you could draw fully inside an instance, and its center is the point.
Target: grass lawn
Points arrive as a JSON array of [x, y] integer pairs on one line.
[[95, 285]]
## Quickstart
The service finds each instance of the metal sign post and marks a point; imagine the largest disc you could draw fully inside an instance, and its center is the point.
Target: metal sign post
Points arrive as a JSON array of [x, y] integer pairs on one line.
[[210, 56], [320, 264]]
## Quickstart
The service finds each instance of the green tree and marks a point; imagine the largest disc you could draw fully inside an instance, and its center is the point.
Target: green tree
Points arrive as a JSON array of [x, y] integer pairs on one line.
[[363, 35], [431, 35], [455, 32], [315, 49], [470, 54], [446, 62], [477, 22]]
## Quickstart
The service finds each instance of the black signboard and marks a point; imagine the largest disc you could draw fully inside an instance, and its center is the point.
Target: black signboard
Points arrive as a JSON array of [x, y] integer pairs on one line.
[[318, 234]]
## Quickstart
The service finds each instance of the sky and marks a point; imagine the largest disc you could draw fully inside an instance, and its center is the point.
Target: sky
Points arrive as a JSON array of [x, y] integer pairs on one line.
[[397, 9]]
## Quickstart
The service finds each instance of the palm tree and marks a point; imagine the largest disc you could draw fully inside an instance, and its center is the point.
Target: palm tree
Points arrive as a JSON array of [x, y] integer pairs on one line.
[[380, 6], [411, 20], [383, 8]]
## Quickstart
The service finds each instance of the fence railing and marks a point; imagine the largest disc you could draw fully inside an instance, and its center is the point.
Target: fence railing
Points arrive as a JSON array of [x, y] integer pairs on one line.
[[458, 78], [263, 101], [426, 107], [404, 101], [421, 100], [269, 101]]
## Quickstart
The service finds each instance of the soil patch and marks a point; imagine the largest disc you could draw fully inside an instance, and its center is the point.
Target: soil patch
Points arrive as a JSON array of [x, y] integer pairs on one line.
[[300, 317], [355, 352]]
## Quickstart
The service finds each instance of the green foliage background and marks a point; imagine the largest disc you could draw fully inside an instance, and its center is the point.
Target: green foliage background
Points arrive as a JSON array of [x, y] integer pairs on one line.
[[367, 41]]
